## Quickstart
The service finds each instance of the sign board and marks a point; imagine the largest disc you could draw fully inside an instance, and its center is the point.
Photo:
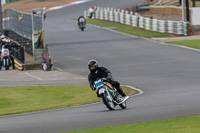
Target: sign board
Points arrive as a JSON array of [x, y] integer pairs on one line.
[[195, 17]]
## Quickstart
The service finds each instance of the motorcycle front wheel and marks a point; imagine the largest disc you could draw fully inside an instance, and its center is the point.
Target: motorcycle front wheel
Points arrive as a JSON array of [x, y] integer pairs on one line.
[[109, 104], [6, 63]]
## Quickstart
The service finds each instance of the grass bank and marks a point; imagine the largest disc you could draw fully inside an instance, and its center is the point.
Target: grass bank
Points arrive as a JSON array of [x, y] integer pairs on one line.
[[188, 43], [180, 125], [128, 29], [14, 100]]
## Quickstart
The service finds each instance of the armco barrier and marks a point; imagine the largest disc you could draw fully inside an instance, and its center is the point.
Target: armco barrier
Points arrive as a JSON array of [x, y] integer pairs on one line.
[[123, 17]]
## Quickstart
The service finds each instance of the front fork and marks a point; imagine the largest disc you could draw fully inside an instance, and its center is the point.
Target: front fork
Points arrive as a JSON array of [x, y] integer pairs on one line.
[[102, 91]]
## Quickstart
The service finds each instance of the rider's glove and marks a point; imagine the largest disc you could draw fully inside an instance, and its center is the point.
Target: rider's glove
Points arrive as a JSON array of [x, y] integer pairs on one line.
[[108, 79], [93, 88]]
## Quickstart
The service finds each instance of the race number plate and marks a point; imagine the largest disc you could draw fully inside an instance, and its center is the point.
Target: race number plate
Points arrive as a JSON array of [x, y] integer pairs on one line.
[[98, 84]]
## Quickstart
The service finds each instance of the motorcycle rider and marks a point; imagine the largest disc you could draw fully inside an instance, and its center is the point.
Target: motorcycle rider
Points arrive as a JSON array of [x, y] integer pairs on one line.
[[81, 19], [2, 42], [97, 72], [1, 38], [9, 45]]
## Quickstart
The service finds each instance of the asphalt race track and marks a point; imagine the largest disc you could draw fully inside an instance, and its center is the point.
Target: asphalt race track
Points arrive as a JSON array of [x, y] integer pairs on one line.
[[168, 75]]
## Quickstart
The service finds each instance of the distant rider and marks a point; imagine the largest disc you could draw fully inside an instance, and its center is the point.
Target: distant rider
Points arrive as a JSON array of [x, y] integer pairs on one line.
[[81, 19], [97, 72]]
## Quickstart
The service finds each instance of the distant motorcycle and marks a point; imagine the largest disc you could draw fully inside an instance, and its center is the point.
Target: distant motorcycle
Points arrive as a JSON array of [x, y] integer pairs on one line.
[[81, 23], [5, 53], [110, 96]]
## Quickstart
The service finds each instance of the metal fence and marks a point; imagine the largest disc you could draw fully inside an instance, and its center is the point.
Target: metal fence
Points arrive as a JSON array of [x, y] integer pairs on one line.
[[20, 23], [18, 52], [124, 17], [24, 25]]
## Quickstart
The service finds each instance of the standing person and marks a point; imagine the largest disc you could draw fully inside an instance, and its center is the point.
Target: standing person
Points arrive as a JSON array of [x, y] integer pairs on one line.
[[91, 11], [2, 42], [44, 12], [34, 12], [97, 72]]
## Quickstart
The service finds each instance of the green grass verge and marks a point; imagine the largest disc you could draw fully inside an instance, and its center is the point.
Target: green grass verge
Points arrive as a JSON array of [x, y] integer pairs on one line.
[[180, 125], [188, 43], [15, 100], [128, 29]]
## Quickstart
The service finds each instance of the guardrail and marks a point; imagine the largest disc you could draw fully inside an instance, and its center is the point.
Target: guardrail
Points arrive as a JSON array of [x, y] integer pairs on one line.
[[124, 17]]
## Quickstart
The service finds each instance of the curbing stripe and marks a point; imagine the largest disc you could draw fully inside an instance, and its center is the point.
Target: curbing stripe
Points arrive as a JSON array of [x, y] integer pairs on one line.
[[18, 65], [66, 5], [134, 88]]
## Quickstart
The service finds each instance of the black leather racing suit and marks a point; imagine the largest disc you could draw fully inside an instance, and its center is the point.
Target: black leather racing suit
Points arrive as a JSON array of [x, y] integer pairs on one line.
[[103, 72], [83, 18]]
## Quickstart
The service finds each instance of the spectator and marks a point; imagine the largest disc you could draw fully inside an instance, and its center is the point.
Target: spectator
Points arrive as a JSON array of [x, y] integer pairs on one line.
[[44, 12], [91, 11]]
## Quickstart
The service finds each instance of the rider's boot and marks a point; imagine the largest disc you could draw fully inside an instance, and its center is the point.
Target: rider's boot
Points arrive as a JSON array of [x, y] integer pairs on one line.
[[121, 92]]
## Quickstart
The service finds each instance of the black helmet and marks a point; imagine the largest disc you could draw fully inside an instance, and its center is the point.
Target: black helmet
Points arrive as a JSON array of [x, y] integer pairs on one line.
[[93, 63]]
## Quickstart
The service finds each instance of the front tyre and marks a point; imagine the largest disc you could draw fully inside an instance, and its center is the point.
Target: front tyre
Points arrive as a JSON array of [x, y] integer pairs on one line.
[[6, 63], [123, 105], [109, 104]]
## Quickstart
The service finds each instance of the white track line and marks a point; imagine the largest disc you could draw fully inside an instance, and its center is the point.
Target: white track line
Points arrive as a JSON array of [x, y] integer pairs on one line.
[[169, 44], [56, 68], [33, 76], [140, 91], [176, 45], [115, 31]]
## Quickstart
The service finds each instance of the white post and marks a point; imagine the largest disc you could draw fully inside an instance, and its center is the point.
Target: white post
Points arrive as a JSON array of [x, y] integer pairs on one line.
[[85, 14], [183, 10], [33, 41]]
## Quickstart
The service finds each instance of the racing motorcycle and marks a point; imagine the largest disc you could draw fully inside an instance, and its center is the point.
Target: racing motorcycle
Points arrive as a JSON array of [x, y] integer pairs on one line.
[[81, 24], [110, 96], [5, 53]]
